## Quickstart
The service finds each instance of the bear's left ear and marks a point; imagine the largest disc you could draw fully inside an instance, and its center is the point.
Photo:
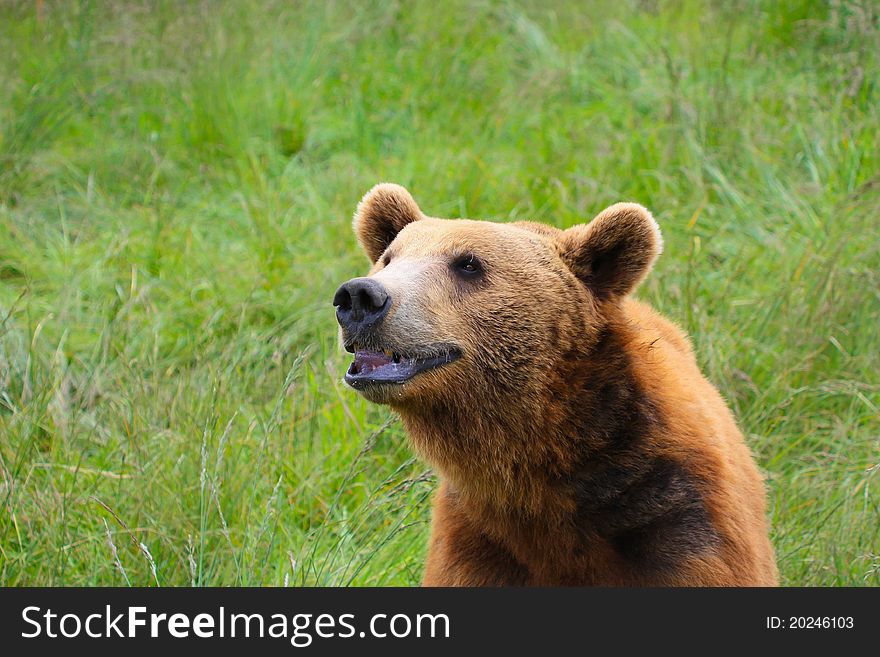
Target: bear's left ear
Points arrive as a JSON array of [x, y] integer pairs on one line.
[[615, 251], [384, 211]]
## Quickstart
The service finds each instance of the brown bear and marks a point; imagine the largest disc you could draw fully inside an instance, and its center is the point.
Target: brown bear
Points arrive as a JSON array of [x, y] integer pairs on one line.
[[576, 441]]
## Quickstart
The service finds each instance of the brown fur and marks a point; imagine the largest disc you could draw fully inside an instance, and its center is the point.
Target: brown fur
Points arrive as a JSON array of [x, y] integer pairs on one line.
[[576, 440]]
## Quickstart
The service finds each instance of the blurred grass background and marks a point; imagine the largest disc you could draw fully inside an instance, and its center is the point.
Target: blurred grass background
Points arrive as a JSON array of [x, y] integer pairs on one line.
[[176, 185]]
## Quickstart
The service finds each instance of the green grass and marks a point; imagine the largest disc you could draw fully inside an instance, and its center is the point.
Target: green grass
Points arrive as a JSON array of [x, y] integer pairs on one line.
[[176, 187]]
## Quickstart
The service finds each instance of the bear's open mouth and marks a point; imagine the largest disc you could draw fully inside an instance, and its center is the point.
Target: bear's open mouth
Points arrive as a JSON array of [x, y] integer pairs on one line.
[[375, 367]]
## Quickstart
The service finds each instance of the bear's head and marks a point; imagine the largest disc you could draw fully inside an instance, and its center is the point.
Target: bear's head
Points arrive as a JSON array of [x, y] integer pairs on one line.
[[457, 312]]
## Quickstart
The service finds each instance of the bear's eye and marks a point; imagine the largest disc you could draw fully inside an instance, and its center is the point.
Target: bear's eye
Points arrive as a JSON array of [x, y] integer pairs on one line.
[[468, 265], [386, 260]]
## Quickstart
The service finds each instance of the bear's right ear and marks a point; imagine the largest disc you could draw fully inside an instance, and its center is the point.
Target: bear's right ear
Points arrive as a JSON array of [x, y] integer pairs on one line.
[[615, 251], [383, 212]]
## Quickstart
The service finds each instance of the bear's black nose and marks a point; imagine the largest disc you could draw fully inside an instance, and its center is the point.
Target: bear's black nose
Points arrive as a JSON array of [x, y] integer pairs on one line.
[[361, 303]]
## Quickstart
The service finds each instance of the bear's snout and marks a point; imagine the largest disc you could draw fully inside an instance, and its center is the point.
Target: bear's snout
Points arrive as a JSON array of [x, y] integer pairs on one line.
[[361, 303]]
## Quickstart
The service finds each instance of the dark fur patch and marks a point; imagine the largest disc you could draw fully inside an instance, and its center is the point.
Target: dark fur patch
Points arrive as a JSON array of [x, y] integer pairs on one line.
[[659, 520], [614, 412], [649, 508]]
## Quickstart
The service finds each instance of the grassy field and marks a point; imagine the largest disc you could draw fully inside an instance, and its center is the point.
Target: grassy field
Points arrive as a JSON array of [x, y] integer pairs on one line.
[[176, 187]]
